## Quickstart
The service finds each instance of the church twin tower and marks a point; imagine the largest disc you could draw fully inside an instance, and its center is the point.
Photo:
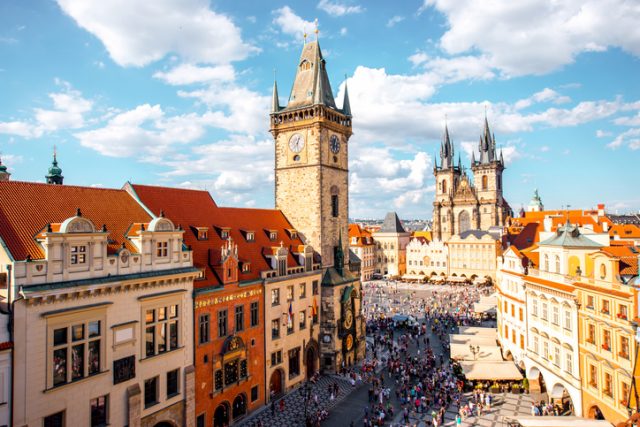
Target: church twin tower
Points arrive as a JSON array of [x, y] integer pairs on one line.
[[461, 204]]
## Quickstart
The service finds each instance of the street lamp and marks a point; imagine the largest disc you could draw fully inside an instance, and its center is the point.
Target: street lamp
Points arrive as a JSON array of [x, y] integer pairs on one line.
[[474, 350]]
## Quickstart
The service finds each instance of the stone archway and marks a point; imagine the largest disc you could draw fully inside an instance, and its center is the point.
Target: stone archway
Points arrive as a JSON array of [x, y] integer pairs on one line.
[[536, 380], [595, 413], [464, 222], [508, 356], [221, 415], [310, 361], [276, 383], [239, 408], [164, 424], [559, 396]]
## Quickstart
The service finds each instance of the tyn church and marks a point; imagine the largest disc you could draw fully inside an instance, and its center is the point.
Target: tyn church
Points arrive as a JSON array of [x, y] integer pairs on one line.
[[462, 203]]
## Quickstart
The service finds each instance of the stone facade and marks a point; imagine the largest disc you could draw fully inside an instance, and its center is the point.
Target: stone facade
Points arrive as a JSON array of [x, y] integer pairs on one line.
[[462, 203], [427, 259], [312, 190], [474, 255], [297, 338], [311, 155]]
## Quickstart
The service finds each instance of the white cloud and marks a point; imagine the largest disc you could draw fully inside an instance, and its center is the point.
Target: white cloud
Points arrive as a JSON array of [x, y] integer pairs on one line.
[[185, 74], [602, 133], [628, 120], [144, 133], [68, 112], [545, 148], [418, 58], [137, 32], [291, 24], [343, 31], [545, 95], [335, 8], [533, 37], [630, 137], [239, 108], [394, 20]]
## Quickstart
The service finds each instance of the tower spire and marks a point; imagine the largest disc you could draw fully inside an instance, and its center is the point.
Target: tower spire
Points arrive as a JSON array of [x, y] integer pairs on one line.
[[275, 100], [55, 173], [346, 105]]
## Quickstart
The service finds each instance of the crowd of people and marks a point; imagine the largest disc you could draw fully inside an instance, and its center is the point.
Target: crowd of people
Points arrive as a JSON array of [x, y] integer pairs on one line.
[[422, 381]]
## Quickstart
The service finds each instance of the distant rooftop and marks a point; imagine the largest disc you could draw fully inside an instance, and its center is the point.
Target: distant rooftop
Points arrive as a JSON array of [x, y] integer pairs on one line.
[[392, 224]]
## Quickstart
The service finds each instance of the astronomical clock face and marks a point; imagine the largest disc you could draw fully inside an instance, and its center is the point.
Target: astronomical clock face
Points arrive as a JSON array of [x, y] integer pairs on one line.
[[348, 342], [348, 319], [334, 144], [296, 143]]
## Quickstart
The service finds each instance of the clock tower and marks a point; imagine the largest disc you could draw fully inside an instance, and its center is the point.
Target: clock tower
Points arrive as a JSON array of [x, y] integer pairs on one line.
[[312, 189], [311, 156]]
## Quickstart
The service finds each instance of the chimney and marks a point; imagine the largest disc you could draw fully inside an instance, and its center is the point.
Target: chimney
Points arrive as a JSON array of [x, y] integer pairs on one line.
[[601, 209]]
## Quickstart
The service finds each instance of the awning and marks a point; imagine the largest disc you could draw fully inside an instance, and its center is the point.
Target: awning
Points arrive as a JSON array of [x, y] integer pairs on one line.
[[485, 352], [472, 339], [456, 279], [483, 308], [484, 370], [477, 330], [550, 421]]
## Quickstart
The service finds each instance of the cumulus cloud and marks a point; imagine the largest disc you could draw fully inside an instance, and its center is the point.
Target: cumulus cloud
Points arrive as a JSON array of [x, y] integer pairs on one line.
[[630, 138], [534, 37], [291, 24], [394, 20], [139, 32], [143, 132], [335, 8], [545, 95], [68, 111], [185, 74]]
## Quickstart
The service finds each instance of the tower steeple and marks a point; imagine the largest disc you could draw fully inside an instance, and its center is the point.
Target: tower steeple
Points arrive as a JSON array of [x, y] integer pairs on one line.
[[487, 145], [311, 85], [346, 105], [275, 101], [55, 173], [446, 150], [4, 174]]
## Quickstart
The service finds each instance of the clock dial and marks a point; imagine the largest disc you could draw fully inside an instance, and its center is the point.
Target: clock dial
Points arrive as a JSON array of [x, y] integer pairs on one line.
[[348, 319], [349, 342], [334, 144], [296, 143]]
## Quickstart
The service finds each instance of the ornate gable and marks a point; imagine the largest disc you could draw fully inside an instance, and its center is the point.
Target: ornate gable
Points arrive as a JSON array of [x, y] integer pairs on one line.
[[465, 193]]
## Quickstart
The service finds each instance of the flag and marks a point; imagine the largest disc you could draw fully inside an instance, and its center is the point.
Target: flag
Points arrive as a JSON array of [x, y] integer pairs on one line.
[[314, 308], [290, 314]]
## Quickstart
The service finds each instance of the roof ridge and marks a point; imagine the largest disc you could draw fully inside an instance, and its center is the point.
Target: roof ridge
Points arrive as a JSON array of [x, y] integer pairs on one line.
[[44, 184]]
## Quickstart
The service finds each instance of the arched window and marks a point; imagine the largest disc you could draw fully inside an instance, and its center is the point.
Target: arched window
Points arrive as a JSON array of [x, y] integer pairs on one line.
[[557, 264], [546, 262], [444, 187], [464, 221], [485, 182], [335, 209]]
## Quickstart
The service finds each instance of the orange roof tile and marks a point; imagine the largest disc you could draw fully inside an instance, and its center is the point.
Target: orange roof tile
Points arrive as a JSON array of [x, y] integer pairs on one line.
[[196, 209], [625, 231], [628, 256], [27, 207]]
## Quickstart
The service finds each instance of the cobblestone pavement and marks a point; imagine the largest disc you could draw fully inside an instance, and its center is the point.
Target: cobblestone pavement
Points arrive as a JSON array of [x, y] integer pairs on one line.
[[293, 414], [504, 405]]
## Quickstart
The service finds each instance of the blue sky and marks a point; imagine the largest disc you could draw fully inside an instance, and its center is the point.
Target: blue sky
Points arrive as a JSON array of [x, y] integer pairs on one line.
[[177, 92]]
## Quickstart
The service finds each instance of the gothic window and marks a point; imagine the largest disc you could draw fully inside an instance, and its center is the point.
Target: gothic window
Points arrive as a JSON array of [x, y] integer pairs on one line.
[[499, 182], [485, 181], [464, 221], [444, 187], [334, 201]]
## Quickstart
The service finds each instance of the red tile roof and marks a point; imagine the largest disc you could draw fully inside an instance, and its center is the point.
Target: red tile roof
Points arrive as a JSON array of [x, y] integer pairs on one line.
[[628, 256], [360, 234], [625, 231], [196, 208], [27, 207]]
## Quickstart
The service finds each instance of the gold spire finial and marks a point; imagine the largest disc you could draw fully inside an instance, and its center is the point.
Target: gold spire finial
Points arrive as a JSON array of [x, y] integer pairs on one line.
[[316, 30], [304, 34]]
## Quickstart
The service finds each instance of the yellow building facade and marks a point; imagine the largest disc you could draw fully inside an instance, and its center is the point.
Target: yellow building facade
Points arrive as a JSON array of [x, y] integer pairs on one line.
[[606, 338]]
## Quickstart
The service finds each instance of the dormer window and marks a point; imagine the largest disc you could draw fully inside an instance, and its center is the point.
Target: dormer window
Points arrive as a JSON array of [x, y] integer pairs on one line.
[[162, 249], [224, 234], [203, 233], [246, 267], [273, 235], [293, 234], [251, 236], [354, 240], [78, 254]]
